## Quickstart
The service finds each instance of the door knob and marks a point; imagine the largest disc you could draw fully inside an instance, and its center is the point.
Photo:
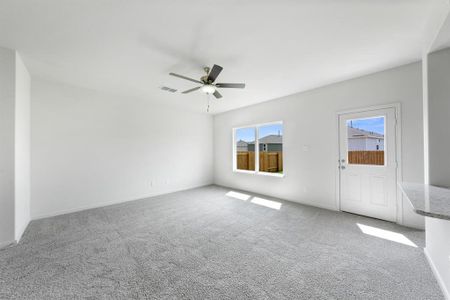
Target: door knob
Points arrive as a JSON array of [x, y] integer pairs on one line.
[[342, 167]]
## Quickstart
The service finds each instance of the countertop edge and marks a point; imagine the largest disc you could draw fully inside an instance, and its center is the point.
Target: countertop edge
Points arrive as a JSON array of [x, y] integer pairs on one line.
[[420, 211], [430, 215]]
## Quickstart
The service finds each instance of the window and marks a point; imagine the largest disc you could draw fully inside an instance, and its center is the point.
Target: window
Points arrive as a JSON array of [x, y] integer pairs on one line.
[[259, 149], [245, 148], [366, 141]]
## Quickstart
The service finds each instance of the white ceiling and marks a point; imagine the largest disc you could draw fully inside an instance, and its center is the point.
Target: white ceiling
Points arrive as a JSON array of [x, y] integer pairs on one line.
[[442, 40], [277, 47]]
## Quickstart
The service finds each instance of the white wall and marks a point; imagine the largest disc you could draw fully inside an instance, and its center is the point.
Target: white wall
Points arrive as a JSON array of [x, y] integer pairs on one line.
[[310, 120], [7, 94], [438, 105], [22, 148], [438, 117], [438, 250], [14, 147], [91, 149]]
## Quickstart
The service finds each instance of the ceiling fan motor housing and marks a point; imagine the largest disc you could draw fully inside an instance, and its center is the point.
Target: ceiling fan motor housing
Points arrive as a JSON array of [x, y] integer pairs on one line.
[[204, 79]]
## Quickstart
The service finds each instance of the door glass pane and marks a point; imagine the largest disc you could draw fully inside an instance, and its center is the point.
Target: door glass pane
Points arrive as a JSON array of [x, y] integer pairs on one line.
[[366, 141], [245, 148], [271, 148]]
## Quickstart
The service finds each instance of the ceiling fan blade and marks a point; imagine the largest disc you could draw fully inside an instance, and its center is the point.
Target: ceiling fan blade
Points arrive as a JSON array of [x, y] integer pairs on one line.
[[191, 90], [231, 85], [217, 95], [187, 78], [215, 71]]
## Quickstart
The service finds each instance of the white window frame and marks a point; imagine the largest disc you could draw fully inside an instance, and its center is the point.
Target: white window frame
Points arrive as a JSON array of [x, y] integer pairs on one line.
[[234, 150]]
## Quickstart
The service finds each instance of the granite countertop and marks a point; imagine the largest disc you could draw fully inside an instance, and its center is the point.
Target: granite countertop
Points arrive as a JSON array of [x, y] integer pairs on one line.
[[428, 200]]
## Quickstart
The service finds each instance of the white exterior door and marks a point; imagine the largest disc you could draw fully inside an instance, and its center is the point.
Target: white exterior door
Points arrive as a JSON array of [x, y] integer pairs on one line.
[[368, 164]]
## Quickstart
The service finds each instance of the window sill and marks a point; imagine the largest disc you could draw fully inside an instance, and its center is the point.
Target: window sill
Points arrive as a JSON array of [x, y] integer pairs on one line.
[[260, 173]]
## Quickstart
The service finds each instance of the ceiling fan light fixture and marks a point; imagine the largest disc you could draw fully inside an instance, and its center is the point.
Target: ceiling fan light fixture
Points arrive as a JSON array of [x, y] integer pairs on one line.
[[208, 89]]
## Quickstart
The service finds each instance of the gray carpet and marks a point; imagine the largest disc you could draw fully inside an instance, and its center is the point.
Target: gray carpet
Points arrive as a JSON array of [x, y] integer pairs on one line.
[[201, 244]]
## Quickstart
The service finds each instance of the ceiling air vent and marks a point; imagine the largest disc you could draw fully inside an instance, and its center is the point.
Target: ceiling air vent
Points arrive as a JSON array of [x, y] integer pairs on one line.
[[165, 88]]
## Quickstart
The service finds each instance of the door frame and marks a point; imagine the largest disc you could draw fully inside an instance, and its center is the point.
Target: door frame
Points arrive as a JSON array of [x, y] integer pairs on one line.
[[398, 153]]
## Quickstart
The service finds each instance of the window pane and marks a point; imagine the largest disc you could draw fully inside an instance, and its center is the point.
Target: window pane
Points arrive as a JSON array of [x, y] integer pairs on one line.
[[271, 148], [366, 141], [245, 148]]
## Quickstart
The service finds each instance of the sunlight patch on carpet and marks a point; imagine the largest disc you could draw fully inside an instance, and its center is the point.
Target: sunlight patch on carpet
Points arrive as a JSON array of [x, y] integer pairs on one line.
[[266, 203], [386, 234], [238, 195]]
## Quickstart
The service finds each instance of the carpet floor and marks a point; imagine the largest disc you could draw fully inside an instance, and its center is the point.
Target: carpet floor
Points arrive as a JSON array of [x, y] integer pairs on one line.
[[203, 244]]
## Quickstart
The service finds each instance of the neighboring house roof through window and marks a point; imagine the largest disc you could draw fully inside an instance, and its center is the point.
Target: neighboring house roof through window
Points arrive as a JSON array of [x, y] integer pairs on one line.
[[270, 139], [360, 133], [242, 143]]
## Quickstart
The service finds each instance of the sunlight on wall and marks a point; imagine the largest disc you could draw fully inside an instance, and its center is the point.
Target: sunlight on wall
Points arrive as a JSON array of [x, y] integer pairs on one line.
[[266, 203], [386, 234], [237, 195]]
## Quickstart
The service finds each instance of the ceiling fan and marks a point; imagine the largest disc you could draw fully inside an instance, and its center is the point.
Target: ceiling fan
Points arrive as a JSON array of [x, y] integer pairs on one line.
[[207, 82]]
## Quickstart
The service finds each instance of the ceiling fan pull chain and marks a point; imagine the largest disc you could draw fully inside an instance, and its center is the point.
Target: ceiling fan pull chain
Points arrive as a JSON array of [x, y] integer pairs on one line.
[[208, 102]]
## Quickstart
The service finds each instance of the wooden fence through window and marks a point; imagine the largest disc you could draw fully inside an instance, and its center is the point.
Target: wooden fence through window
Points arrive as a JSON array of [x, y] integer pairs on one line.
[[268, 161], [366, 157]]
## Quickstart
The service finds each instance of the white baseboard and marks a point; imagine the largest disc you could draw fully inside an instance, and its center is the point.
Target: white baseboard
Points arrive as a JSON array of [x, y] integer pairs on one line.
[[81, 208], [308, 203], [18, 237], [7, 244], [22, 230], [436, 274], [107, 203]]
